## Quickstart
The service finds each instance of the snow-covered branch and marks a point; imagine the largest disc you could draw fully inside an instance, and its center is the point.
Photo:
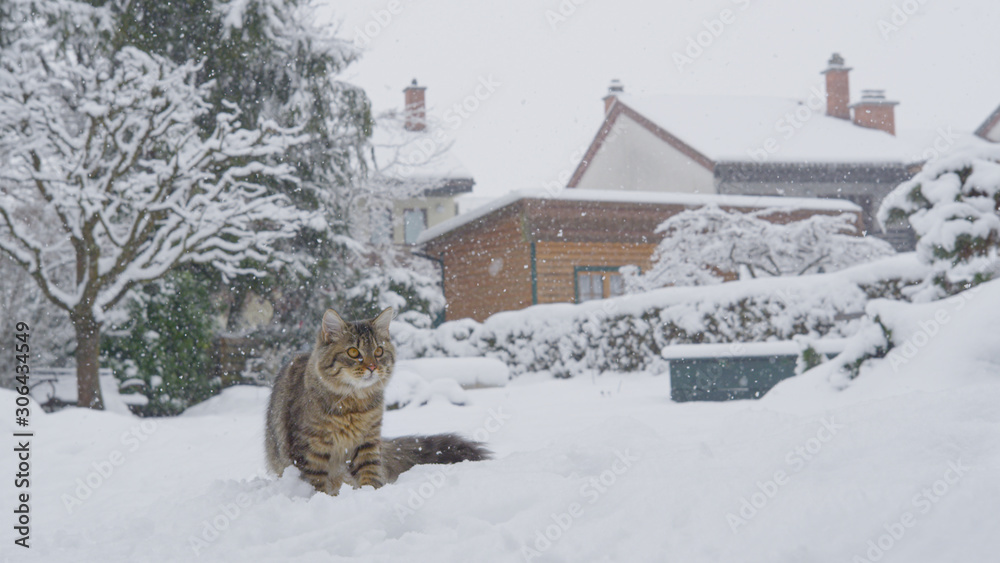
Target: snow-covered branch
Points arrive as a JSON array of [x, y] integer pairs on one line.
[[707, 245], [108, 182]]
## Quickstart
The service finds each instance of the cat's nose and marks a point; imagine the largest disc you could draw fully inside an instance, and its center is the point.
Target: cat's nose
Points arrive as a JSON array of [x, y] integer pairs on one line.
[[372, 367]]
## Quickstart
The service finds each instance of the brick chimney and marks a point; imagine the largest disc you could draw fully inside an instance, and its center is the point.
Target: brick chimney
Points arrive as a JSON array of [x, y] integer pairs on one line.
[[875, 112], [614, 89], [838, 89], [416, 113]]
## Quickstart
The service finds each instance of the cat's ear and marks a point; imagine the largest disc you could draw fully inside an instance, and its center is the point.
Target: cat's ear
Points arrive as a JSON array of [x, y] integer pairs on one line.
[[381, 322], [333, 325]]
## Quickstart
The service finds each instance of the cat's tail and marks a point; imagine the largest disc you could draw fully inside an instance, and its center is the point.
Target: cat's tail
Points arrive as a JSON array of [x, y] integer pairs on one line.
[[400, 454]]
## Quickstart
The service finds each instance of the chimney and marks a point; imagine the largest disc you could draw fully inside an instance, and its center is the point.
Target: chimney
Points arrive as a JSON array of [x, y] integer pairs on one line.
[[614, 89], [838, 90], [875, 112], [416, 115]]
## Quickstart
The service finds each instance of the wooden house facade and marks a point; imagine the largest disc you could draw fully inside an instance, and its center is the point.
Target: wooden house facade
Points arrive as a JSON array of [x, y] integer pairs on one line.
[[526, 249]]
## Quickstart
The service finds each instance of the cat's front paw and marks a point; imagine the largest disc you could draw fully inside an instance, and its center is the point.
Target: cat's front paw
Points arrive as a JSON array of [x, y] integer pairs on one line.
[[332, 487]]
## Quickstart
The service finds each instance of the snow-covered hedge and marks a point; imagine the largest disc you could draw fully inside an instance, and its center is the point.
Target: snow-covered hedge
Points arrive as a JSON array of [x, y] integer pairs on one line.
[[627, 333]]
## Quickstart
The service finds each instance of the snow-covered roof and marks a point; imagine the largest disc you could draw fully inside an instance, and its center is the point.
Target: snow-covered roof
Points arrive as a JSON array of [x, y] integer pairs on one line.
[[619, 196], [424, 155], [731, 128]]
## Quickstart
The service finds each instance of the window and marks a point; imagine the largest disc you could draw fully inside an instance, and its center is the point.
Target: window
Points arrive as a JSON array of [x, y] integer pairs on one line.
[[589, 286], [616, 285], [598, 282], [381, 226], [414, 223]]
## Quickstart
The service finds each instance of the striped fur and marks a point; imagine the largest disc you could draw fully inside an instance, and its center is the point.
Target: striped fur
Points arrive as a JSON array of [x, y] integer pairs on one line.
[[325, 413]]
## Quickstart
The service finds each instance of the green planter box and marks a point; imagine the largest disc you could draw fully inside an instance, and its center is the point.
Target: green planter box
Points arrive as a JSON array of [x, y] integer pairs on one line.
[[725, 379], [723, 372]]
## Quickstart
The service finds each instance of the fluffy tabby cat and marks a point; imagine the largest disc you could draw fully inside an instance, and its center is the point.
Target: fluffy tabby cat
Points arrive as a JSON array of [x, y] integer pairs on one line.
[[325, 414]]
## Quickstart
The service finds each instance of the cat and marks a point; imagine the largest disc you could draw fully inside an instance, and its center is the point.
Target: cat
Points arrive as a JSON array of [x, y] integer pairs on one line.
[[325, 412]]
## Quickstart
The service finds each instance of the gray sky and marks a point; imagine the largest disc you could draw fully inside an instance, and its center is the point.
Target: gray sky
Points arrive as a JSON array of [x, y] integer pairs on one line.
[[542, 66]]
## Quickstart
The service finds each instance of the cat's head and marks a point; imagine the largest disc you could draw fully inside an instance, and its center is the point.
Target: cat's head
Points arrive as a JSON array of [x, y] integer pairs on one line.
[[355, 355]]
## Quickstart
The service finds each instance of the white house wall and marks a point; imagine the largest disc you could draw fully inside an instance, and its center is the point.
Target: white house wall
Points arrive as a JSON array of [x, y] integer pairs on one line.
[[438, 209], [633, 158], [994, 133]]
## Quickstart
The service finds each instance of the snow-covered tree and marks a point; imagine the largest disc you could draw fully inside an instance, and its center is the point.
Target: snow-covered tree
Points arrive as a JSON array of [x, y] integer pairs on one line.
[[708, 244], [358, 270], [953, 205], [279, 63], [108, 180], [415, 297]]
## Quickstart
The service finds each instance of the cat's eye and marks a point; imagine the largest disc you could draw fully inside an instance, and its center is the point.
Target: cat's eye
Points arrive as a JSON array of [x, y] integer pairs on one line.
[[378, 352], [353, 352]]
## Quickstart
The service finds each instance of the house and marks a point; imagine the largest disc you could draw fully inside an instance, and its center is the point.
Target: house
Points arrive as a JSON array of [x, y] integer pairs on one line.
[[416, 177], [990, 129], [528, 248], [823, 146]]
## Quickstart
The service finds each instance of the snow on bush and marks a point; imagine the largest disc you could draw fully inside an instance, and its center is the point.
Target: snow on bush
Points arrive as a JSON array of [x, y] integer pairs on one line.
[[953, 206], [628, 333], [706, 245], [903, 345], [416, 297]]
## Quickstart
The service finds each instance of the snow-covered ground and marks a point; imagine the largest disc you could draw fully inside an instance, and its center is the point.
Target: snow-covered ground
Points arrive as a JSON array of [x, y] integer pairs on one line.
[[900, 466]]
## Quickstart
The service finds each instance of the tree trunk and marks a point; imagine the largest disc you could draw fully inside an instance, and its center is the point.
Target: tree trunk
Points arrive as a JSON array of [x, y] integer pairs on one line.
[[88, 356]]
